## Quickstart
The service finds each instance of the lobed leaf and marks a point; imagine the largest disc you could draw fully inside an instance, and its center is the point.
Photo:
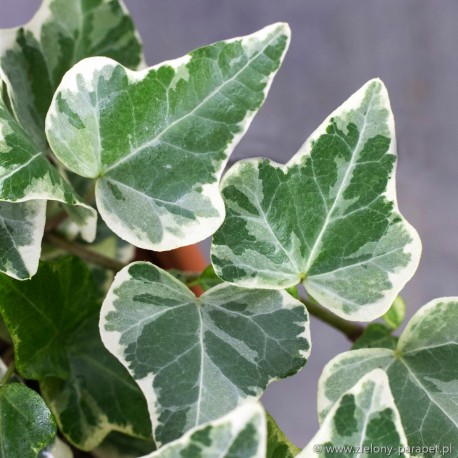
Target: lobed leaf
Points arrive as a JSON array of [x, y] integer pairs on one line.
[[196, 359], [328, 218], [26, 424], [422, 372], [56, 341], [364, 421], [158, 140], [27, 181], [34, 58], [240, 434]]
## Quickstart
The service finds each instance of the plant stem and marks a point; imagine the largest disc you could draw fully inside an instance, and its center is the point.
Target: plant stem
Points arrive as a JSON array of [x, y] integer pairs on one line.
[[350, 329], [85, 253], [8, 374]]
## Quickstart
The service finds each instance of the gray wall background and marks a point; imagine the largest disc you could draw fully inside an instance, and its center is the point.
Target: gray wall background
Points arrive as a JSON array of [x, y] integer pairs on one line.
[[337, 45]]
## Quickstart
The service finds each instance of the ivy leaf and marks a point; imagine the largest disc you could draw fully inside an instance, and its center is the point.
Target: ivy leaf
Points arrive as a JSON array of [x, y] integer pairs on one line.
[[364, 416], [278, 445], [27, 181], [422, 372], [158, 140], [56, 341], [21, 231], [328, 218], [33, 58], [118, 445], [196, 359], [395, 314], [58, 449], [240, 434], [376, 335], [26, 424]]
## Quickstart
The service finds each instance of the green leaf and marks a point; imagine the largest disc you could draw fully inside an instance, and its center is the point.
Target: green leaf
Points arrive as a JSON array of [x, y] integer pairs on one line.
[[21, 231], [207, 279], [58, 449], [240, 434], [26, 424], [376, 335], [197, 358], [278, 445], [396, 313], [53, 320], [118, 445], [158, 140], [34, 58], [422, 371], [363, 420], [28, 180], [328, 218]]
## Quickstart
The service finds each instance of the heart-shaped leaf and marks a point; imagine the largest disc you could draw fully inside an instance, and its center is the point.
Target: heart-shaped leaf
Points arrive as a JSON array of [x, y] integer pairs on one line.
[[197, 358], [364, 421], [53, 320], [240, 434], [157, 140], [26, 424], [328, 218], [33, 58], [423, 376], [28, 179]]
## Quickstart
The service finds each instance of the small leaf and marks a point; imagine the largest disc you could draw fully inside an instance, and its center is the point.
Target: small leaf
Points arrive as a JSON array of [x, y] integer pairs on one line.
[[56, 341], [240, 434], [363, 417], [27, 181], [26, 424], [328, 218], [197, 358], [278, 445], [158, 140], [208, 279], [33, 58], [396, 313], [376, 335], [422, 371]]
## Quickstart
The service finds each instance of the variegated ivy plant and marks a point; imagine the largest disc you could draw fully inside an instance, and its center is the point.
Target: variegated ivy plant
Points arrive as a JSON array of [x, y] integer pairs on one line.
[[138, 364]]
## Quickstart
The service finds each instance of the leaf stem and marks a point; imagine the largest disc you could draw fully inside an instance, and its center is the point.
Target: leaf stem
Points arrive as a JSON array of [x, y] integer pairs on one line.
[[8, 374], [85, 253], [350, 329]]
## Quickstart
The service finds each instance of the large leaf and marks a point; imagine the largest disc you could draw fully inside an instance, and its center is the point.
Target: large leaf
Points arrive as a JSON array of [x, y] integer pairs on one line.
[[197, 358], [26, 424], [28, 180], [53, 320], [157, 140], [240, 434], [364, 421], [328, 218], [33, 58], [423, 374]]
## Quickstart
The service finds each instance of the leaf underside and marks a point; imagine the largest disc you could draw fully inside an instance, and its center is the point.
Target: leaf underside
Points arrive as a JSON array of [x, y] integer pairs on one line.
[[328, 218], [197, 358], [422, 373], [158, 140]]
